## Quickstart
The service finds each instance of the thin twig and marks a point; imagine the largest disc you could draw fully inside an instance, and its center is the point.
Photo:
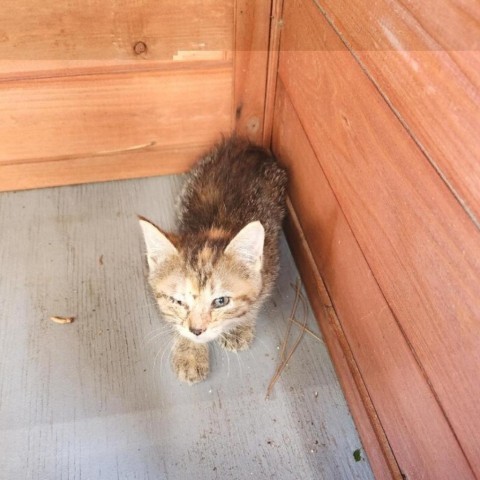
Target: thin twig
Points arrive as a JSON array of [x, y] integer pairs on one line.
[[307, 330], [304, 304], [292, 314], [284, 361]]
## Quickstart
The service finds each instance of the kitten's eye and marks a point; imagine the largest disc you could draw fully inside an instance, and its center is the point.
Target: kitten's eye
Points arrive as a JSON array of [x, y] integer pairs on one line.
[[175, 301], [220, 302]]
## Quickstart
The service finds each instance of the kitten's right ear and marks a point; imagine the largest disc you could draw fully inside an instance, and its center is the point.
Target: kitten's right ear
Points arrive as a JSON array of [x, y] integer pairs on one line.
[[247, 245], [158, 245]]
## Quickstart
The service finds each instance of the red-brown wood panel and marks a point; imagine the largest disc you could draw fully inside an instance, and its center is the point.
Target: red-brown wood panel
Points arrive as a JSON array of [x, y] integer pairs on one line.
[[137, 89], [100, 113], [54, 37], [252, 27], [425, 58], [388, 366], [417, 240], [153, 118], [142, 161]]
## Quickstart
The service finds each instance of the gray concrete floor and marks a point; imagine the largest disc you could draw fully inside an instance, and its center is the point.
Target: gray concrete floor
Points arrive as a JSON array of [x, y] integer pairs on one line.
[[96, 399]]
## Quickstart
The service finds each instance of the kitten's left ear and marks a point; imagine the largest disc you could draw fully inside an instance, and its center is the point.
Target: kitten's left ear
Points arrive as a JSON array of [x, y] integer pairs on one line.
[[247, 245], [158, 245]]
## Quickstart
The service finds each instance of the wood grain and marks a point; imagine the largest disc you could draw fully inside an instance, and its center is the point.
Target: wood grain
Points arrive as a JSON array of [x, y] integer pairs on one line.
[[272, 69], [96, 399], [389, 375], [252, 33], [427, 67], [143, 161], [55, 35], [96, 116]]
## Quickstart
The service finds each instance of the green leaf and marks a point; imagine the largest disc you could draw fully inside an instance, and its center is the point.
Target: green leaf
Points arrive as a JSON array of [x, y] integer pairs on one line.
[[357, 455]]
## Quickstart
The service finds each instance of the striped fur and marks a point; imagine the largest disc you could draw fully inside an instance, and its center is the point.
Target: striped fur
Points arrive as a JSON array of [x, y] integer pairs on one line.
[[230, 213]]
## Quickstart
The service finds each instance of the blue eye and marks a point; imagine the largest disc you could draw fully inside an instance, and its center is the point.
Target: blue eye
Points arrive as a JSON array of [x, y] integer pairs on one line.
[[220, 302]]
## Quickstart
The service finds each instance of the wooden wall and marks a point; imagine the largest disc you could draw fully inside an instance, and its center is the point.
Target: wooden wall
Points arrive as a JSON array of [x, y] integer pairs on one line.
[[376, 118], [114, 89]]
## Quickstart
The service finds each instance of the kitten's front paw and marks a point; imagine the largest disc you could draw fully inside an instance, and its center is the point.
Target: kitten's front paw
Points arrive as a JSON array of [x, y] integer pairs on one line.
[[190, 361], [190, 370], [240, 338]]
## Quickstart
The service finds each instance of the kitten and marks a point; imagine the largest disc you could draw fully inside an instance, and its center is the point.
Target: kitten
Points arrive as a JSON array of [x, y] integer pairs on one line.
[[211, 278]]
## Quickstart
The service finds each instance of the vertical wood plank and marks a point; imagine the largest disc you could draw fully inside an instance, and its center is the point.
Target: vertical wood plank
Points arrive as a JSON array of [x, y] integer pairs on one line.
[[272, 69], [252, 32]]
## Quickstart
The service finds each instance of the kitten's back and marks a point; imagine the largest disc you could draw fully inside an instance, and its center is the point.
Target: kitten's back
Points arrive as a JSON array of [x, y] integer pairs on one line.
[[234, 184]]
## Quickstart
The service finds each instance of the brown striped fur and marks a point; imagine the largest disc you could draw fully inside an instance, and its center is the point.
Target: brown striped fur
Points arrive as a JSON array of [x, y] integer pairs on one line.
[[230, 213]]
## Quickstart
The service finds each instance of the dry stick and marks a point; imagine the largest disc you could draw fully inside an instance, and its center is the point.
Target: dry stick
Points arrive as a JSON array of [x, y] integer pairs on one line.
[[303, 326], [305, 309], [304, 304], [307, 330], [292, 314], [285, 361], [285, 340]]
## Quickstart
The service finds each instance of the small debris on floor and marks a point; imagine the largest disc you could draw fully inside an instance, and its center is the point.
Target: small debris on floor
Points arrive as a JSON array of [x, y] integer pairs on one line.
[[357, 455], [62, 320]]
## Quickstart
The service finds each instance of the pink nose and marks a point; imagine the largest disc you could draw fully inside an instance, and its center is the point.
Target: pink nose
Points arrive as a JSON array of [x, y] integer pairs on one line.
[[197, 331]]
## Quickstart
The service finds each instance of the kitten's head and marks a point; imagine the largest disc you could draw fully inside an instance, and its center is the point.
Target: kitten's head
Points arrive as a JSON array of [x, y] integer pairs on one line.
[[206, 283]]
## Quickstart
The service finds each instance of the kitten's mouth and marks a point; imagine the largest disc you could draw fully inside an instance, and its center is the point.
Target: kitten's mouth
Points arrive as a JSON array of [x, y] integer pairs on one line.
[[204, 336], [201, 339]]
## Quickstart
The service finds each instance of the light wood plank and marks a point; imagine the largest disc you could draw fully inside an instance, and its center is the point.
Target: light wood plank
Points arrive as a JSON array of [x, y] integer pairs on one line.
[[55, 35], [129, 114], [143, 161], [252, 32], [96, 398], [95, 114], [426, 66], [416, 428], [420, 244]]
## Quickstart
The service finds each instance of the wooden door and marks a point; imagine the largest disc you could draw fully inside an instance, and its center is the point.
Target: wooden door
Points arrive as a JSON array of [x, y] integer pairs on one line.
[[101, 90]]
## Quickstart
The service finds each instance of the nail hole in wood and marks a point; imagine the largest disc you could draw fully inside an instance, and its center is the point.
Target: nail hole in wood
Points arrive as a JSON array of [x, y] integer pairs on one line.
[[139, 48]]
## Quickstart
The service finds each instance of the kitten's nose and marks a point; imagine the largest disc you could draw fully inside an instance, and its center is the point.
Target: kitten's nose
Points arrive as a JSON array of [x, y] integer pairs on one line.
[[197, 331]]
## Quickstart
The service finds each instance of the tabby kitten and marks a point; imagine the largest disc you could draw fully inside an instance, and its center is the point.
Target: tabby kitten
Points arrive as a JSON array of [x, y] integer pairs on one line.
[[211, 278]]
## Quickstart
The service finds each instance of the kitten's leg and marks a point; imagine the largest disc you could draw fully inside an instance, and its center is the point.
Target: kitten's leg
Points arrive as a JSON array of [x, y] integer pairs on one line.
[[190, 360], [240, 338]]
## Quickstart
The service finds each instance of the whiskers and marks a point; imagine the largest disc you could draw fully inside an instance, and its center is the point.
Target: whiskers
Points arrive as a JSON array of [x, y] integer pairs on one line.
[[164, 349], [227, 353], [164, 338], [162, 331]]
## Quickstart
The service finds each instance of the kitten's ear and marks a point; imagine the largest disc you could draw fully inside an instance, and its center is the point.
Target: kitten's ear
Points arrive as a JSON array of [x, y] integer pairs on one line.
[[247, 245], [158, 245]]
